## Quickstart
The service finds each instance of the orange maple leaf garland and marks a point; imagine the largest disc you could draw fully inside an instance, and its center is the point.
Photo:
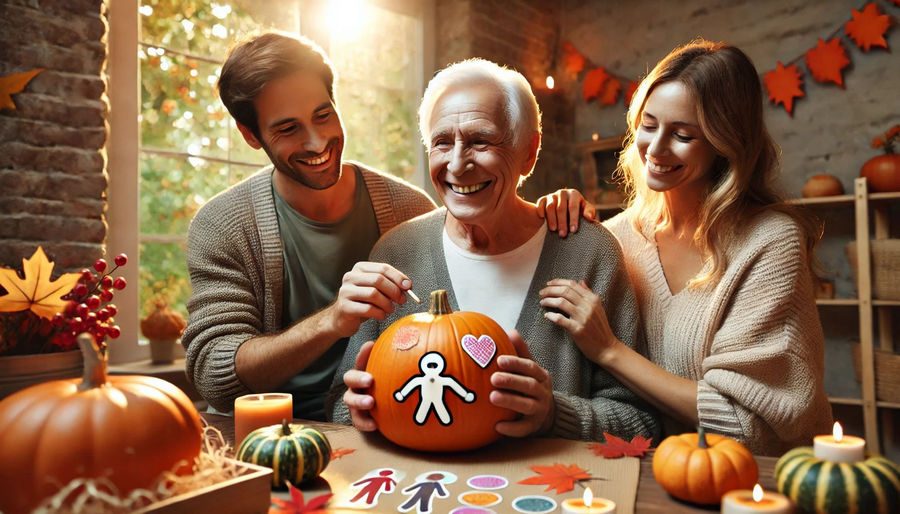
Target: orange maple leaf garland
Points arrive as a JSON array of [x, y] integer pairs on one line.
[[827, 61], [867, 28], [36, 290], [573, 61], [610, 92], [558, 476], [593, 83], [14, 83], [784, 83]]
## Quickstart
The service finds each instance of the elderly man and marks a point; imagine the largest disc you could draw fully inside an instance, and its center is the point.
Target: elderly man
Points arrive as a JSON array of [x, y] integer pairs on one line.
[[481, 126], [278, 262]]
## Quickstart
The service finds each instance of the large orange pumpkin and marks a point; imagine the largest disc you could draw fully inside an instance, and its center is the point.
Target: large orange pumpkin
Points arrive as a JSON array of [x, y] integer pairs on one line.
[[432, 374], [701, 468], [882, 173], [128, 429]]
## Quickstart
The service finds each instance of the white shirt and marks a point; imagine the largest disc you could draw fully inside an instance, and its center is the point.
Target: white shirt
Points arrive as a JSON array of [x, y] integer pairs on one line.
[[494, 285]]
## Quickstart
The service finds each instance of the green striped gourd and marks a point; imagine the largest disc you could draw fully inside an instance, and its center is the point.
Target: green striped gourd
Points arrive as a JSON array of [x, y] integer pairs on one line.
[[815, 485], [296, 453]]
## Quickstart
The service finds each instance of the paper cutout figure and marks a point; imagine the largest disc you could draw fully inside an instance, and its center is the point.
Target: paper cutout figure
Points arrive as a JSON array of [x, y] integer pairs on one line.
[[481, 350], [371, 486], [431, 384], [424, 492]]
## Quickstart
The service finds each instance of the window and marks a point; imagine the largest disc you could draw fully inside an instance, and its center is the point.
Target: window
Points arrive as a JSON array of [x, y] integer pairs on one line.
[[189, 146]]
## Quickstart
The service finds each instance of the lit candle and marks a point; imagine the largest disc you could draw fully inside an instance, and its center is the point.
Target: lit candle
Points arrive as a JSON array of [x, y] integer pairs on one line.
[[550, 82], [254, 411], [839, 447], [587, 504], [742, 501]]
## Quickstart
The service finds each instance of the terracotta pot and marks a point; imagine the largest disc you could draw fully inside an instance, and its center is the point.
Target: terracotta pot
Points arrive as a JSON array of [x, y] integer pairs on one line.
[[21, 371]]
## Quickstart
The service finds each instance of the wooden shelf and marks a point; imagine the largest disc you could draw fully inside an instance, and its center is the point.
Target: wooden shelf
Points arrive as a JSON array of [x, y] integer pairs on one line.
[[886, 303], [838, 400], [884, 196], [888, 405], [822, 200], [837, 301]]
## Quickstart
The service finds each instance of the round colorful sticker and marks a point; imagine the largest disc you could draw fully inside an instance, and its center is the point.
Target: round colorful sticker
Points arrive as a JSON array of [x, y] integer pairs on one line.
[[488, 482], [406, 338], [480, 498], [534, 504], [471, 510]]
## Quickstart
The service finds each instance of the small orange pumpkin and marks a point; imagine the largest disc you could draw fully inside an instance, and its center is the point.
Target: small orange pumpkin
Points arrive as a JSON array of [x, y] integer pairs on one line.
[[822, 185], [432, 378], [701, 468], [163, 324], [128, 429], [882, 173]]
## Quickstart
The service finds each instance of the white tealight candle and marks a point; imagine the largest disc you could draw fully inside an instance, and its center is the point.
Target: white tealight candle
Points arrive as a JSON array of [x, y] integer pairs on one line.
[[743, 501], [587, 504], [839, 447]]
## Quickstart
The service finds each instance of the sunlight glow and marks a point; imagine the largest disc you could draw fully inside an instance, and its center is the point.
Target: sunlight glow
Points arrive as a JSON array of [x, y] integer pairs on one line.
[[346, 18]]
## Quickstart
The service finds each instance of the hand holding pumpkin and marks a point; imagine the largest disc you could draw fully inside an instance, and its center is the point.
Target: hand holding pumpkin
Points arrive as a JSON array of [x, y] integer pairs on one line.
[[357, 398], [369, 290], [581, 314], [524, 387]]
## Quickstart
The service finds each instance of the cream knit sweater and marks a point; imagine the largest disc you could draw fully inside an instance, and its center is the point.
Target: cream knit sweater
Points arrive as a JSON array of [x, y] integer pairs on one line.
[[752, 341]]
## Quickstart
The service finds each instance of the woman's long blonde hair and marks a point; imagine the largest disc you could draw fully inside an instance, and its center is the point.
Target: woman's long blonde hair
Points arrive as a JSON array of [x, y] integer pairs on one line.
[[727, 92]]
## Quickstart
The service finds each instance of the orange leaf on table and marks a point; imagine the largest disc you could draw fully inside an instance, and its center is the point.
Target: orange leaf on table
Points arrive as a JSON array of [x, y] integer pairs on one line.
[[337, 453], [616, 447], [297, 505], [14, 83], [37, 291], [867, 28], [784, 84], [610, 92], [629, 91], [827, 60], [593, 84], [573, 61], [558, 476]]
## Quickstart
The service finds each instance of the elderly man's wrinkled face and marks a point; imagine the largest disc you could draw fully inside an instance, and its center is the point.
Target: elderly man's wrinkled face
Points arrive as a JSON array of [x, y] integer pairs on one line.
[[475, 167]]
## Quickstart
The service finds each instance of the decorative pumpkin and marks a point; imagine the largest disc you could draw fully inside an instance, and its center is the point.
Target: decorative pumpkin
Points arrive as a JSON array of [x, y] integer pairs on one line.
[[701, 468], [296, 453], [432, 378], [822, 185], [815, 485], [883, 172], [129, 429], [163, 327]]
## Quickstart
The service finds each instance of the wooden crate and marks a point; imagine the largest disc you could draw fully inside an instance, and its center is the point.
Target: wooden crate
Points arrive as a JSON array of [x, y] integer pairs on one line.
[[887, 373], [249, 493]]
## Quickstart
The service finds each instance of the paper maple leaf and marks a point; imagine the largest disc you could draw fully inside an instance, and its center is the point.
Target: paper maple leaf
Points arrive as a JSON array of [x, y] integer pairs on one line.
[[629, 92], [867, 28], [610, 92], [573, 61], [297, 505], [337, 453], [12, 84], [784, 84], [36, 291], [593, 83], [615, 447], [558, 476], [827, 60]]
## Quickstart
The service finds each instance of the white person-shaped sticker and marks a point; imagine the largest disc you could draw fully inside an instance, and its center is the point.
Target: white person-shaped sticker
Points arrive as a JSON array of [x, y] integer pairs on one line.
[[431, 384]]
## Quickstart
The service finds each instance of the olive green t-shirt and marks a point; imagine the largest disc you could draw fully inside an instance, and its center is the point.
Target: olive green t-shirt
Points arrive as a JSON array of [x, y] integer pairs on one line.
[[316, 256]]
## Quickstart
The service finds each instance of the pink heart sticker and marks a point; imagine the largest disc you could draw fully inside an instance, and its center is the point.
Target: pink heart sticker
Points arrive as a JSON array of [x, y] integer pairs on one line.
[[481, 350]]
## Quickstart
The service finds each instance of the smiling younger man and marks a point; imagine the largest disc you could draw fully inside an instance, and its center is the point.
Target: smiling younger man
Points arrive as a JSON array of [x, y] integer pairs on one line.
[[273, 301]]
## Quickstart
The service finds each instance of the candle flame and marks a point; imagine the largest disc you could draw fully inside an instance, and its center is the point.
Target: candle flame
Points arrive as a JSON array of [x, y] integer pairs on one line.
[[550, 82], [837, 432], [757, 493], [588, 497]]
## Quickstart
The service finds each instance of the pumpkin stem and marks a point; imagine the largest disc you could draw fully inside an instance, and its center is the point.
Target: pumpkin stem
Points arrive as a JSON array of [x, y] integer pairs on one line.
[[701, 438], [94, 363], [285, 427], [440, 303]]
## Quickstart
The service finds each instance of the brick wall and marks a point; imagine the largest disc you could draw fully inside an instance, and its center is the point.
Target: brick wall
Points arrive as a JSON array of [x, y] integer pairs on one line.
[[520, 34], [52, 176]]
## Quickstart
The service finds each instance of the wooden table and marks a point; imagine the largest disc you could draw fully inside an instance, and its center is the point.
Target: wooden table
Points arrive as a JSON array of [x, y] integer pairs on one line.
[[650, 496]]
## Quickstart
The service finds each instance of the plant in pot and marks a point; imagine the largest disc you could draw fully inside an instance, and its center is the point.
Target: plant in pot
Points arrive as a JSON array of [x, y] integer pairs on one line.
[[883, 172], [40, 318], [163, 327]]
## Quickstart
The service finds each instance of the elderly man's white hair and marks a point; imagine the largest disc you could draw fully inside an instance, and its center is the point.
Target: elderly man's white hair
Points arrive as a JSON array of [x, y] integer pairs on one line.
[[523, 116]]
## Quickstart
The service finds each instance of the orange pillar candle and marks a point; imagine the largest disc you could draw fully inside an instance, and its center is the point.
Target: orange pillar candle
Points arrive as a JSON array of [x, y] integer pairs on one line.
[[587, 504], [254, 411]]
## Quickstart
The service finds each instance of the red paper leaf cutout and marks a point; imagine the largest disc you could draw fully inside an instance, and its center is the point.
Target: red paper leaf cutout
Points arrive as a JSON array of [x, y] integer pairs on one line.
[[827, 60], [784, 83], [632, 87], [573, 61], [337, 453], [558, 476], [867, 28], [297, 505], [616, 447], [610, 92], [14, 83], [593, 83]]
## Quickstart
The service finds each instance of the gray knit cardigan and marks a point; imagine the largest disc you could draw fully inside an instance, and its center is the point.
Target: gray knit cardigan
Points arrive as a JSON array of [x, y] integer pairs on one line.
[[589, 401], [236, 263]]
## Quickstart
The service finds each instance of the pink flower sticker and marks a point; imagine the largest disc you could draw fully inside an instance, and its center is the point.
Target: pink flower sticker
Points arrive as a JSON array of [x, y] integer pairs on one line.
[[406, 338]]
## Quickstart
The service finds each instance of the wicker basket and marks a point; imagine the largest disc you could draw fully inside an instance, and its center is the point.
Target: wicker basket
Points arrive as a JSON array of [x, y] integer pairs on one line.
[[887, 373], [885, 267]]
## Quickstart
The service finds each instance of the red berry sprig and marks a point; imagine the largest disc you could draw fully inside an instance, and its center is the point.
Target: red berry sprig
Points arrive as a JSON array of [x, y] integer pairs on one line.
[[89, 309]]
